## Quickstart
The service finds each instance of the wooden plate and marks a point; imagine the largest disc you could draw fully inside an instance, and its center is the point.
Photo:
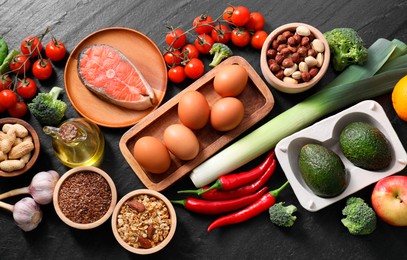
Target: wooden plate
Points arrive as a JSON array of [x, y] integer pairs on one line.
[[258, 102], [143, 53]]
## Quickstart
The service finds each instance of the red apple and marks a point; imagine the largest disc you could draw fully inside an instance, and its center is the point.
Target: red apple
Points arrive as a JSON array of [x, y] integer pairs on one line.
[[389, 200]]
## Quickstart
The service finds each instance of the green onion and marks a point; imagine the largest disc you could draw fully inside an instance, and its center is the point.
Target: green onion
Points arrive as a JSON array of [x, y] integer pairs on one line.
[[355, 84]]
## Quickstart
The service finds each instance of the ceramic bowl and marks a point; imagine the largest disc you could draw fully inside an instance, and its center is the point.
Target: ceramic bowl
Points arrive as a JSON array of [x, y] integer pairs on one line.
[[65, 186], [34, 153], [119, 220], [280, 84]]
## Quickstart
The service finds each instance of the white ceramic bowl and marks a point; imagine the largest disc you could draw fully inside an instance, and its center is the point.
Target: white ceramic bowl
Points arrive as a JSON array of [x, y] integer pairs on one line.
[[280, 84], [326, 132]]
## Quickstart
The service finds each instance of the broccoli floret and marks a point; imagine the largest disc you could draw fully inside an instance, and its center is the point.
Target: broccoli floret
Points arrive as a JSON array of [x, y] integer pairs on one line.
[[221, 51], [347, 47], [282, 215], [46, 108], [360, 217]]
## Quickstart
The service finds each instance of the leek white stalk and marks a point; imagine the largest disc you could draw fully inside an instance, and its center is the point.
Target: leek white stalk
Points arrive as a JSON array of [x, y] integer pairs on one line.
[[350, 88]]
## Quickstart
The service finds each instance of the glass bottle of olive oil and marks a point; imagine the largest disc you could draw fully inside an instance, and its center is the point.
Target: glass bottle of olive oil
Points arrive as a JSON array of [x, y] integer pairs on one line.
[[77, 142]]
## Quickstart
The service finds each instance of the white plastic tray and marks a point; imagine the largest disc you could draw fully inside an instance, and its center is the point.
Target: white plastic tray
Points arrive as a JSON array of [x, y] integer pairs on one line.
[[326, 132]]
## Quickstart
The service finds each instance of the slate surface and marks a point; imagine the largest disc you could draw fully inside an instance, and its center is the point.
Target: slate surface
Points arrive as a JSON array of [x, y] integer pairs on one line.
[[317, 235]]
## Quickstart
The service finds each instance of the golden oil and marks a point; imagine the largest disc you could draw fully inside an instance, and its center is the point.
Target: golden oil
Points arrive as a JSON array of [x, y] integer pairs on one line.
[[77, 142]]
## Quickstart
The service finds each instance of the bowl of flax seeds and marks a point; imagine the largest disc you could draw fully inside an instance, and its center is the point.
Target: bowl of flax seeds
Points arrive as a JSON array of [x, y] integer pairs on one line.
[[85, 197]]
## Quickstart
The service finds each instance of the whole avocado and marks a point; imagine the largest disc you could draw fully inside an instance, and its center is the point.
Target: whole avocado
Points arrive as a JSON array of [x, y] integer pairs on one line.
[[322, 170], [365, 146]]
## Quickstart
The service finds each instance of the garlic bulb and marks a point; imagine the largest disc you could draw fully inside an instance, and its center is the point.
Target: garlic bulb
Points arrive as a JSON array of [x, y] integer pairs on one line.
[[41, 187], [27, 214]]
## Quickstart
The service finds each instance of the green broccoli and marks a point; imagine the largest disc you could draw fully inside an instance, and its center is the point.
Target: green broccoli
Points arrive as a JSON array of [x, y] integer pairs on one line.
[[221, 51], [46, 108], [360, 217], [347, 47], [281, 215]]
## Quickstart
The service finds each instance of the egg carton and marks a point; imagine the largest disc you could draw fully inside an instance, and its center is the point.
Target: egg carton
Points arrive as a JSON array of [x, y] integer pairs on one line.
[[326, 132]]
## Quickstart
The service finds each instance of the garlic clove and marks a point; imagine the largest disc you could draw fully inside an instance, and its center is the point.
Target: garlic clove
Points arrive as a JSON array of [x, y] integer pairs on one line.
[[27, 214]]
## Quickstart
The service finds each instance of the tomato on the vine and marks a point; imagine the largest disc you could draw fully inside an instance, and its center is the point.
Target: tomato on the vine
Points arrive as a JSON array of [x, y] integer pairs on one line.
[[258, 39], [2, 109], [20, 64], [240, 37], [42, 69], [31, 46], [194, 68], [8, 98], [221, 33], [190, 51], [227, 13], [202, 24], [173, 57], [203, 43], [26, 88], [177, 74], [240, 15], [19, 109], [256, 22], [5, 82], [55, 50], [176, 38]]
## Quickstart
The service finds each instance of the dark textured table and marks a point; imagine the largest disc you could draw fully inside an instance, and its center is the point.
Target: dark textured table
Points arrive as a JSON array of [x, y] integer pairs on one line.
[[318, 235]]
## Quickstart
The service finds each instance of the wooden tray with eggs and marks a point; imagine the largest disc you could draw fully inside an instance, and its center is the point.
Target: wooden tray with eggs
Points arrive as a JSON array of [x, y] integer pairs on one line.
[[256, 97]]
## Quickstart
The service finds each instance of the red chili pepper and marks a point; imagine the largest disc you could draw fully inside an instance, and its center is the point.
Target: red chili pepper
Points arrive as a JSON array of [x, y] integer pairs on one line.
[[259, 206], [235, 180], [219, 207], [241, 191]]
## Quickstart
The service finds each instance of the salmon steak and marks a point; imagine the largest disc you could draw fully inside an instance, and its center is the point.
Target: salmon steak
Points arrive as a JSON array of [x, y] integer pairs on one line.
[[110, 75]]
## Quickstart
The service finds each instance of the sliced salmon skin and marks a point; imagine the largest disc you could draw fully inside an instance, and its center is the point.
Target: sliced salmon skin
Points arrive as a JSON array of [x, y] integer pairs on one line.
[[108, 73]]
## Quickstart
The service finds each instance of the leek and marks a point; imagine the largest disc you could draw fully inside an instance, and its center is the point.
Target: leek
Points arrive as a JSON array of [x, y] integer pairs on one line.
[[357, 85]]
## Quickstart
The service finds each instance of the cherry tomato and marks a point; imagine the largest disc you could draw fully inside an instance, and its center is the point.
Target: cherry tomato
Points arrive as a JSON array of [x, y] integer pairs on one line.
[[176, 38], [177, 74], [203, 43], [5, 82], [189, 51], [20, 64], [240, 37], [2, 109], [221, 33], [19, 109], [8, 98], [31, 46], [256, 22], [26, 88], [55, 50], [173, 58], [194, 68], [42, 69], [227, 13], [202, 24], [240, 15], [258, 39]]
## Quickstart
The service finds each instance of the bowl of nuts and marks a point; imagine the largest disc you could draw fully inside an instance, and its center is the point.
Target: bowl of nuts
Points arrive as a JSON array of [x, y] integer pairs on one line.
[[144, 221], [294, 57], [85, 197], [19, 146]]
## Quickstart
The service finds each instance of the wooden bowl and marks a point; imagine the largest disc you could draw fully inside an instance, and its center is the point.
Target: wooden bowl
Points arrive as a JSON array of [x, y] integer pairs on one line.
[[34, 153], [57, 196], [280, 84], [122, 204], [258, 102]]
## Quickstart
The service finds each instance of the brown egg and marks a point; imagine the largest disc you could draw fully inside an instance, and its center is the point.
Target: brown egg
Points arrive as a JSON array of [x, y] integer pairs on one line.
[[152, 154], [193, 110], [227, 113], [181, 141], [231, 80]]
